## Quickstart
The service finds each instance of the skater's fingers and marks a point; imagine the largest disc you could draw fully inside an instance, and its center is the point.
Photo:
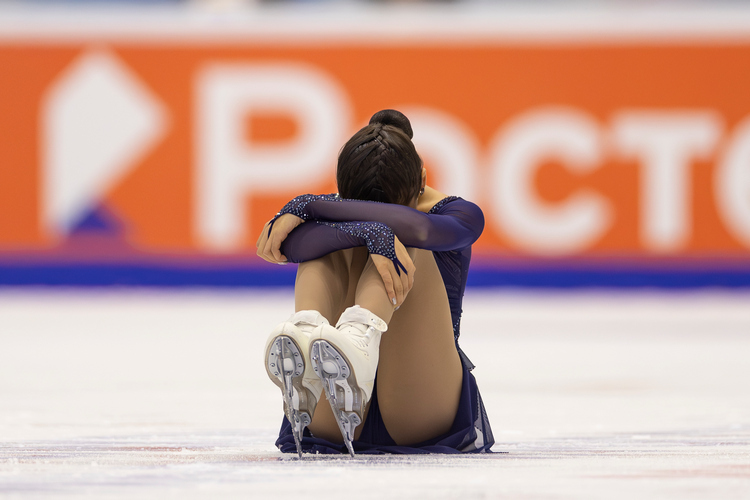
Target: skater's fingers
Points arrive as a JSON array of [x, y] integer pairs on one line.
[[408, 281], [405, 258], [272, 252], [269, 243], [267, 253], [384, 266], [264, 244], [263, 250], [276, 249], [261, 242], [389, 289], [280, 259], [398, 285]]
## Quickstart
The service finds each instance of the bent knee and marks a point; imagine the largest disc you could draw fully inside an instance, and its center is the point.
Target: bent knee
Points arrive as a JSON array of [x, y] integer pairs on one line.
[[340, 259], [340, 267]]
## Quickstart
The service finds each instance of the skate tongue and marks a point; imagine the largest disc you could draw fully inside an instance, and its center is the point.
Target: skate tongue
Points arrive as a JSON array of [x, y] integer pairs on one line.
[[357, 316]]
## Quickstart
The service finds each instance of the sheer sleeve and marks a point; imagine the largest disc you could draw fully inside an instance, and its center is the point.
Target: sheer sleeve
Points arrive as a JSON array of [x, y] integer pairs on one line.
[[452, 224], [315, 239], [297, 206]]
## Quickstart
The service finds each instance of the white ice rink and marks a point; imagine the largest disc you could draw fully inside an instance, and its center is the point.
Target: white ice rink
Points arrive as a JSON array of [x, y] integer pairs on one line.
[[132, 394]]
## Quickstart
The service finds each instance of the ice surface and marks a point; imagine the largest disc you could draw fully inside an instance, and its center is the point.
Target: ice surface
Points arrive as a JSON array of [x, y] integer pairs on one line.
[[124, 394]]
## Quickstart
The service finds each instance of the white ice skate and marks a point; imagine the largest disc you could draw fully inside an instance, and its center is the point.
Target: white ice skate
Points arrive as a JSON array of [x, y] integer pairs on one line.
[[346, 359], [286, 360]]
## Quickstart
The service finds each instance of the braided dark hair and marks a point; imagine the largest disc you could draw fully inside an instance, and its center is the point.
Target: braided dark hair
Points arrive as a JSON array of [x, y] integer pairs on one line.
[[379, 162]]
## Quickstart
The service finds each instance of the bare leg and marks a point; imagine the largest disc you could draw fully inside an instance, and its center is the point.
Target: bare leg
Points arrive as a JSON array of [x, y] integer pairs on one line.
[[328, 285], [371, 293], [419, 373]]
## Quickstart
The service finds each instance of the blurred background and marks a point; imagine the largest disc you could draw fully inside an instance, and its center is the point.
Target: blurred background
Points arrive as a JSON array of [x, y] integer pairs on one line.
[[144, 144], [147, 142]]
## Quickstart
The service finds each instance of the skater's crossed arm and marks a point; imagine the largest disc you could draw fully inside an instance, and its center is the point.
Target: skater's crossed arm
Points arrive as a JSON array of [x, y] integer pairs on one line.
[[315, 239], [457, 224], [336, 224]]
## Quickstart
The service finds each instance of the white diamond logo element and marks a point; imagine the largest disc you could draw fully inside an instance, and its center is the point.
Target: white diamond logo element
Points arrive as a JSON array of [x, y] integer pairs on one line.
[[98, 120]]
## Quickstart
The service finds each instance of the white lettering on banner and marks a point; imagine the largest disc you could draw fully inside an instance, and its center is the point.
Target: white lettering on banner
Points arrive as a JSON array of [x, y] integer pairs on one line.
[[230, 169], [732, 183], [666, 142], [450, 148], [563, 134], [97, 120]]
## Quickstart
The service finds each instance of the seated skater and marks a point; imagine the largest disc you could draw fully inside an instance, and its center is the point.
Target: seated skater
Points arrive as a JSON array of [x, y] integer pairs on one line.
[[412, 390]]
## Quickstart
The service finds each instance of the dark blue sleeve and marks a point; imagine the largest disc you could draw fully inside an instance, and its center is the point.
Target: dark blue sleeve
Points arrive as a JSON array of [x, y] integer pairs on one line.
[[315, 239], [452, 224]]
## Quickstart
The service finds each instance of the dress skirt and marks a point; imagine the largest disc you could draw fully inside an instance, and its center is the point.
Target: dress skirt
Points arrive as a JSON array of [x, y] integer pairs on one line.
[[470, 432]]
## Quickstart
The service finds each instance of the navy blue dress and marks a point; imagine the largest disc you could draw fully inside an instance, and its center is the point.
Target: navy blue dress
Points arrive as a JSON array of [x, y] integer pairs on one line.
[[448, 230]]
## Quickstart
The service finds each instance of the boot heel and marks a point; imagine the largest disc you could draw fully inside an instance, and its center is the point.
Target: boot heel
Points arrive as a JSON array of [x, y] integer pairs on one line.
[[287, 366], [340, 385]]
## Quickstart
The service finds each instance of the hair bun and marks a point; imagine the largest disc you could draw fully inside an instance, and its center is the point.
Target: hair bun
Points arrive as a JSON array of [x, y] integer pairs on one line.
[[394, 118]]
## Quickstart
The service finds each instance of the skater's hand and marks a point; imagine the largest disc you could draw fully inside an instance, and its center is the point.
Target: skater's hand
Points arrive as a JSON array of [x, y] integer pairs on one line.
[[397, 287], [269, 246]]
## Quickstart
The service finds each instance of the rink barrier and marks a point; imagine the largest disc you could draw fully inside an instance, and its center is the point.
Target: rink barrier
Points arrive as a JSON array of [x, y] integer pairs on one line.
[[482, 276], [606, 147]]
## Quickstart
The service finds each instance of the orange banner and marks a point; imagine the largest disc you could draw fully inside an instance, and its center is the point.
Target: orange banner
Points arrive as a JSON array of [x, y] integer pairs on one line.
[[584, 151]]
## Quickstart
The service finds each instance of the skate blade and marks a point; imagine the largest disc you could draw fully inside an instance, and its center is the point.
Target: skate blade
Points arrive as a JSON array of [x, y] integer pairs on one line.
[[285, 362], [341, 389]]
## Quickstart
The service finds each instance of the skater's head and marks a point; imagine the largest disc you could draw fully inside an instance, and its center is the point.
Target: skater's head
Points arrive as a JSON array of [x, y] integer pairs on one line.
[[380, 163]]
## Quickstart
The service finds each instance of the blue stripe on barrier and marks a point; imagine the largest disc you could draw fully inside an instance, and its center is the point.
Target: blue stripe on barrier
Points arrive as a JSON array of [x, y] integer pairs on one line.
[[162, 275], [145, 275], [610, 278]]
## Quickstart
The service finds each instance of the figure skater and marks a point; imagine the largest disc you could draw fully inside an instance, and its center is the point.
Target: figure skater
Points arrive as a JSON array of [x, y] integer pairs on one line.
[[412, 391]]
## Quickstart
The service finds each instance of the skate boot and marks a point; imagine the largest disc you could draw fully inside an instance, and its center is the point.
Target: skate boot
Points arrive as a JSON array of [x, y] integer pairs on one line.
[[287, 365], [346, 359]]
